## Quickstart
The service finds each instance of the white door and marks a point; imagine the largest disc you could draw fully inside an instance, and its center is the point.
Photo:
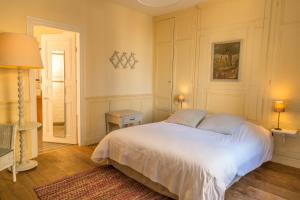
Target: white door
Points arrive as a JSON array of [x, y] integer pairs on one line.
[[59, 88], [164, 69]]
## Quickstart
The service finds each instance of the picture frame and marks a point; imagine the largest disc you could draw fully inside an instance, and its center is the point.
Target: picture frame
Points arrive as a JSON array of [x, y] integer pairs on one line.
[[226, 60]]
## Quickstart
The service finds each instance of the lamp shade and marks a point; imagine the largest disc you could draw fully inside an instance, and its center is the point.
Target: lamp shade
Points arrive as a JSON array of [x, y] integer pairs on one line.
[[279, 106], [19, 51], [181, 98]]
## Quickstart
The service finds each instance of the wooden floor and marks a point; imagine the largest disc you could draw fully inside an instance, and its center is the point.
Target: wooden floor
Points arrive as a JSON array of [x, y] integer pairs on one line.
[[45, 147], [270, 182]]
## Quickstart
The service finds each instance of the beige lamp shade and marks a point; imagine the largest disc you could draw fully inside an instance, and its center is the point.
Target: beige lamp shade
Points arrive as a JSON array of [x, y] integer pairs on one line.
[[19, 51], [279, 106]]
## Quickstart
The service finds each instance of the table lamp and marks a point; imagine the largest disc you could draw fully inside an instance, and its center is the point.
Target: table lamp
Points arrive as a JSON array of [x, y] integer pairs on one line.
[[180, 99], [279, 107], [20, 52]]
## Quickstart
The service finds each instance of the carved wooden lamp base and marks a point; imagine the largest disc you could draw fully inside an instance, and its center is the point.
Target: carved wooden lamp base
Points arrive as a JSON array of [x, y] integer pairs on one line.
[[24, 164]]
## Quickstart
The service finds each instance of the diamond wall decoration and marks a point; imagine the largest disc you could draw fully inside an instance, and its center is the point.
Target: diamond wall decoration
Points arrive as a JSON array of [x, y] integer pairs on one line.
[[124, 60]]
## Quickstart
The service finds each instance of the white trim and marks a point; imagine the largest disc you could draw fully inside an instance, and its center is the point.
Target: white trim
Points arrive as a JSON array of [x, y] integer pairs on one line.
[[31, 22]]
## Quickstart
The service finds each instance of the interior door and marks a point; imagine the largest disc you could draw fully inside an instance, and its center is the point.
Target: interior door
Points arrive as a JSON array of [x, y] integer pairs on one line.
[[164, 68], [59, 88]]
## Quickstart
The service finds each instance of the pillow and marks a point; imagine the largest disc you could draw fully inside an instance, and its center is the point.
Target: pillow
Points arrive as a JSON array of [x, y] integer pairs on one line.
[[221, 123], [187, 117]]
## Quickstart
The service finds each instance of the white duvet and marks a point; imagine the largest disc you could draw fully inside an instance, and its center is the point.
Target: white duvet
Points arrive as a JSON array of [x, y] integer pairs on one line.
[[192, 163]]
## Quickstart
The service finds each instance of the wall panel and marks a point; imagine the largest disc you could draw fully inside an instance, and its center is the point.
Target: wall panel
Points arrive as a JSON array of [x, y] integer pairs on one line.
[[183, 72], [97, 107], [285, 82], [269, 64], [249, 100], [225, 101]]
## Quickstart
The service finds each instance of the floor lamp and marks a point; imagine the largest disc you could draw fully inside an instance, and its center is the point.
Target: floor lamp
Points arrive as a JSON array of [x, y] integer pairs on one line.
[[20, 52]]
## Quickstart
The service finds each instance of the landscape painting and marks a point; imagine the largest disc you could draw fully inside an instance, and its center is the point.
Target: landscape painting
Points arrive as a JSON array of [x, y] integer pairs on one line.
[[226, 60]]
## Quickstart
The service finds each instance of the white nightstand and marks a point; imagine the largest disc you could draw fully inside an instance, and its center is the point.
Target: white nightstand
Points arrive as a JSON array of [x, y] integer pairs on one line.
[[123, 118], [284, 133]]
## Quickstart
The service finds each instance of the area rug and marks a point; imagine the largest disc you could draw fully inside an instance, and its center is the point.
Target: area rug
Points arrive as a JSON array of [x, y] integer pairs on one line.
[[103, 183]]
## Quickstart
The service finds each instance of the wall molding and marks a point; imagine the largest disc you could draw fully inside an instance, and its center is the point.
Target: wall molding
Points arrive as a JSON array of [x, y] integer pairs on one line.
[[229, 28], [117, 96]]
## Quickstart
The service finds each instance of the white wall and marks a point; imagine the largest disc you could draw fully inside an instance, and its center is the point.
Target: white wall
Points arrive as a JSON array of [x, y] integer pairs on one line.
[[222, 21], [283, 73], [269, 31], [111, 27], [106, 27], [219, 21]]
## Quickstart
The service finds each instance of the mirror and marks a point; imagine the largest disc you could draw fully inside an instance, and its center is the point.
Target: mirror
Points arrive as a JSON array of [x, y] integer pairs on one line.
[[58, 93]]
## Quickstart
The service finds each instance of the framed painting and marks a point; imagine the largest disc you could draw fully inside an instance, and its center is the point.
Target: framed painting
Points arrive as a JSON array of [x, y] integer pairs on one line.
[[226, 60]]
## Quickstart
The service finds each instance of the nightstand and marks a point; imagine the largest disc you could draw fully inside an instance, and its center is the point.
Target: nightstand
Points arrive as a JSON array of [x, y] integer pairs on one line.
[[123, 118], [284, 133]]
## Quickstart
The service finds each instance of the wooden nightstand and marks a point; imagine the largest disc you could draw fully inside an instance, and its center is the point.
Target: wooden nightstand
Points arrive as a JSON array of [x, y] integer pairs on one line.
[[284, 133], [123, 118]]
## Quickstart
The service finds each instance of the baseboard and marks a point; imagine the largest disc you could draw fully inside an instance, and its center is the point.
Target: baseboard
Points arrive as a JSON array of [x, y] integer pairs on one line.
[[91, 141], [286, 161]]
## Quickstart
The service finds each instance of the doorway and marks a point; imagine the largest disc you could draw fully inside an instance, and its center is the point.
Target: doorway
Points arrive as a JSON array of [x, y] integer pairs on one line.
[[56, 88]]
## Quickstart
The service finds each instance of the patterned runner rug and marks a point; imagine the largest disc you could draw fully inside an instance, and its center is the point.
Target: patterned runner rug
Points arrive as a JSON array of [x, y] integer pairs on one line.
[[103, 183]]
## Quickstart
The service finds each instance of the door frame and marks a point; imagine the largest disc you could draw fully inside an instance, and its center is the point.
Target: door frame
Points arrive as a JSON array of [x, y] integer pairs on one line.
[[66, 46], [31, 23]]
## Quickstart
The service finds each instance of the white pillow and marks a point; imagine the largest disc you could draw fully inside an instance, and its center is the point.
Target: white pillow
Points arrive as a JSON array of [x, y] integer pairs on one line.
[[221, 123], [187, 117]]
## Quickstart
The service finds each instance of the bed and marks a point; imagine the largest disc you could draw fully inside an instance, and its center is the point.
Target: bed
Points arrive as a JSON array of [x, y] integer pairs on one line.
[[187, 163]]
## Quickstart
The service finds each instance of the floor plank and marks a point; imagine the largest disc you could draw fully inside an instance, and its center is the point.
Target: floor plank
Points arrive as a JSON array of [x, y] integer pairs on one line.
[[270, 182]]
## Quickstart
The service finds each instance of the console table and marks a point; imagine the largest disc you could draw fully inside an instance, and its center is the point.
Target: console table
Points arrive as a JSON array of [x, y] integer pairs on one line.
[[123, 118]]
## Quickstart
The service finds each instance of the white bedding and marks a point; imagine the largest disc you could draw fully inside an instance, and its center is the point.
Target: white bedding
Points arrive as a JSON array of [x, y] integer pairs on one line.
[[192, 163]]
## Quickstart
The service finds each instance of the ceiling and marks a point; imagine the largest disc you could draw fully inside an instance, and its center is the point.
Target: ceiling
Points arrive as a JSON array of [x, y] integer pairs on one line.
[[155, 11]]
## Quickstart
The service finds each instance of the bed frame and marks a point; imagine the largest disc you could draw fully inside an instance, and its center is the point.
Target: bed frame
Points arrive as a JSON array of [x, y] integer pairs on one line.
[[146, 181]]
